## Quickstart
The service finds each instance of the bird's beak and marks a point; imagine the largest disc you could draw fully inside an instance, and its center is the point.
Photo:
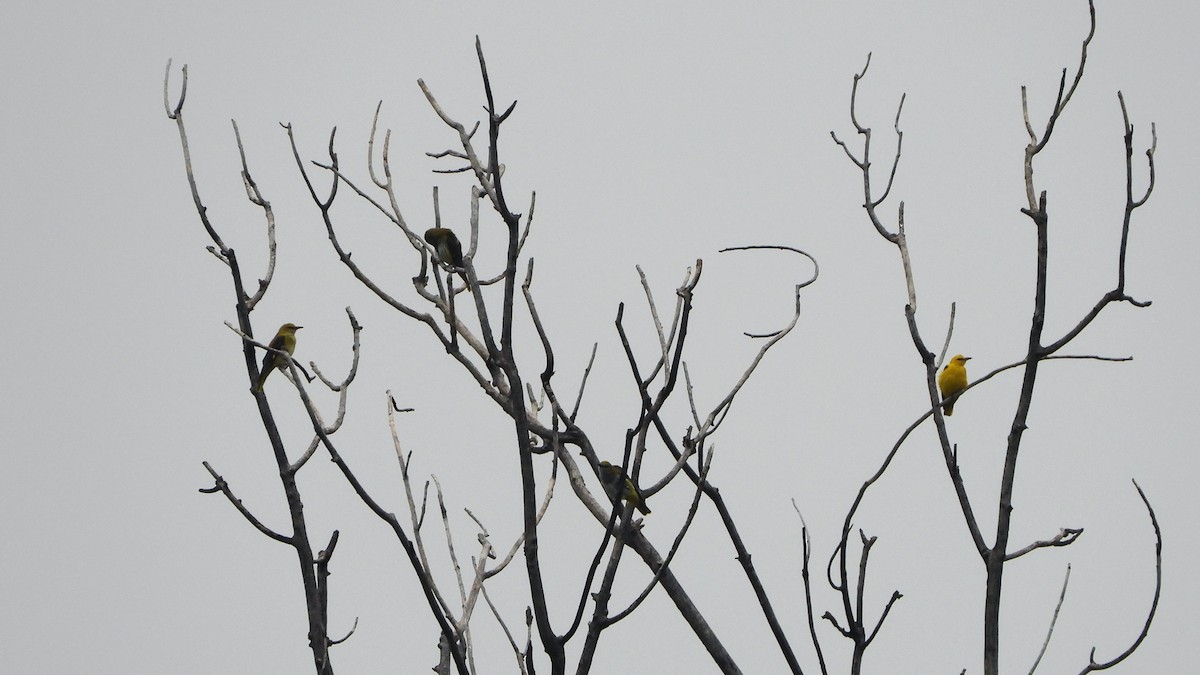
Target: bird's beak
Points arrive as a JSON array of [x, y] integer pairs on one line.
[[299, 327], [966, 358]]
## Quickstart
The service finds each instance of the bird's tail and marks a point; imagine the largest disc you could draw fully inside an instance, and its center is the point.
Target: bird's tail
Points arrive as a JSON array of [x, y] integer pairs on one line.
[[641, 506], [949, 409]]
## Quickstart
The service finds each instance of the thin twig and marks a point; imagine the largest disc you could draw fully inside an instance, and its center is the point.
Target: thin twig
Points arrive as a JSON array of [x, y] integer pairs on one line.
[[1053, 620], [804, 576], [219, 485]]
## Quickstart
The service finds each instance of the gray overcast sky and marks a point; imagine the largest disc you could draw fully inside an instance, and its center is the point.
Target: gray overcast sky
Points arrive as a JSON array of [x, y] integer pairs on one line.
[[655, 134]]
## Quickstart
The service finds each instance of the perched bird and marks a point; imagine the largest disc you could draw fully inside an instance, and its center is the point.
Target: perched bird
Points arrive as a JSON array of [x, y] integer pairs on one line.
[[953, 379], [447, 247], [284, 340], [618, 486]]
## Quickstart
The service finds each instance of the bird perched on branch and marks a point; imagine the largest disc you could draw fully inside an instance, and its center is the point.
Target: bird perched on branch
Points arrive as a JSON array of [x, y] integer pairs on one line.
[[284, 340], [447, 247], [953, 379], [618, 486]]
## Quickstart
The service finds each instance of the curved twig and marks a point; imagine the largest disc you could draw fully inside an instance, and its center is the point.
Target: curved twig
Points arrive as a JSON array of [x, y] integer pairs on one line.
[[816, 272], [1092, 665]]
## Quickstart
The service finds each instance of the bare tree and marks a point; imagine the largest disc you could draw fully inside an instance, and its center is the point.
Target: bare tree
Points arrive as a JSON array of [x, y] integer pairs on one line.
[[475, 323], [461, 319], [996, 555]]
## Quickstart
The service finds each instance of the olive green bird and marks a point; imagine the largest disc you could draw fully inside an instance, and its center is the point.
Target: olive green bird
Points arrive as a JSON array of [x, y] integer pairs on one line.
[[618, 486], [448, 248], [953, 379], [284, 340]]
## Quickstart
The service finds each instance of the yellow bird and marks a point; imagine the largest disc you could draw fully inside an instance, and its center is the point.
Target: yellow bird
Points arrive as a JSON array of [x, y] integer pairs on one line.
[[447, 247], [612, 476], [284, 340], [953, 379]]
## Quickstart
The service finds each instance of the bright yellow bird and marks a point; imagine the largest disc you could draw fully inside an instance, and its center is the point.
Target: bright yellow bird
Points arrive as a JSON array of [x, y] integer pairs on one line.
[[953, 379], [612, 476], [284, 340]]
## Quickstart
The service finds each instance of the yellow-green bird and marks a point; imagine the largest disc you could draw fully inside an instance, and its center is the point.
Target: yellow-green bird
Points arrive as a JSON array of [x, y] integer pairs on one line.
[[618, 486], [953, 379], [284, 340], [447, 247]]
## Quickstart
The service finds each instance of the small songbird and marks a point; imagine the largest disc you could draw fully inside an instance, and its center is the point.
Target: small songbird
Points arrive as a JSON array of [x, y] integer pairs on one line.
[[447, 247], [618, 486], [284, 340], [953, 379]]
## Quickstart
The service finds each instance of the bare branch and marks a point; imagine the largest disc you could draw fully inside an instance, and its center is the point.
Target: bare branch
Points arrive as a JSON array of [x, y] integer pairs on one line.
[[804, 576], [201, 209], [712, 423], [1065, 537], [541, 513], [870, 203], [346, 636], [474, 163], [494, 386], [512, 643], [816, 271], [415, 518], [831, 619], [322, 570], [949, 334], [350, 375], [896, 595], [650, 415], [839, 554], [1053, 620], [905, 260], [462, 592], [528, 221], [687, 523], [664, 343], [343, 389], [173, 113], [1092, 665], [1062, 100], [583, 383], [1064, 96], [306, 455], [675, 591], [256, 198], [1130, 202], [221, 486], [899, 145]]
